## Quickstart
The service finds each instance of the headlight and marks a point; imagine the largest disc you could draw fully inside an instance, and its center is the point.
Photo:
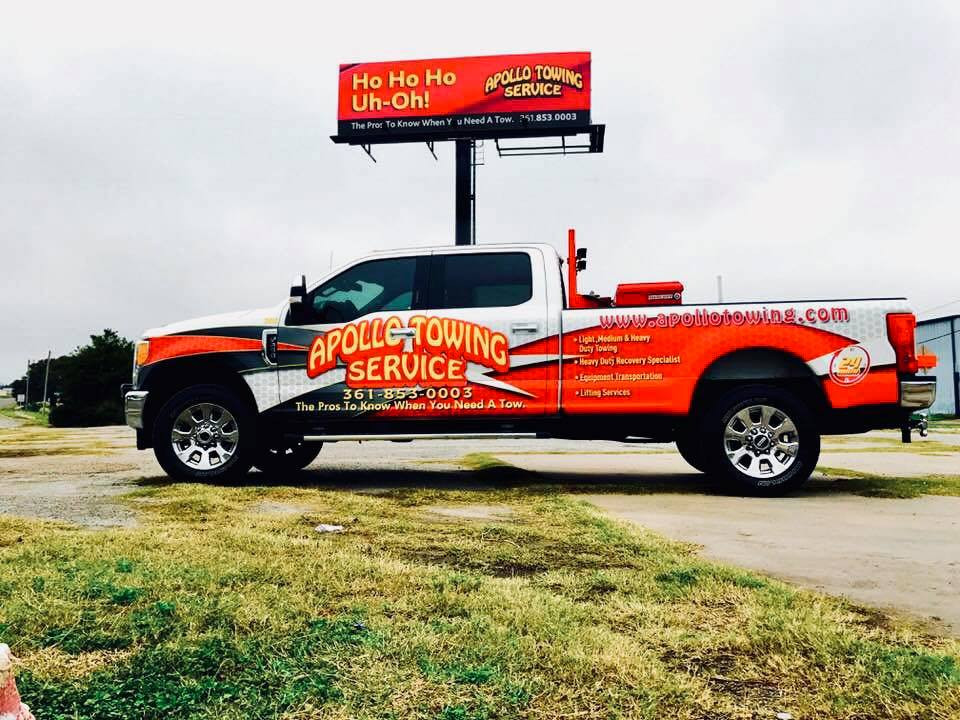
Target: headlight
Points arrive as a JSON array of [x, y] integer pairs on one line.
[[140, 354]]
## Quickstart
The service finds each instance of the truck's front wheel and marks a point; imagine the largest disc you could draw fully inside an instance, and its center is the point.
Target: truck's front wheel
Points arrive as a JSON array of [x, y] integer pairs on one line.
[[281, 457], [762, 439], [205, 433]]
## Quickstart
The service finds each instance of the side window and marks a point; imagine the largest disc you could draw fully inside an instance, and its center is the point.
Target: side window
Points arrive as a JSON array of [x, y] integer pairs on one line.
[[369, 287], [477, 280]]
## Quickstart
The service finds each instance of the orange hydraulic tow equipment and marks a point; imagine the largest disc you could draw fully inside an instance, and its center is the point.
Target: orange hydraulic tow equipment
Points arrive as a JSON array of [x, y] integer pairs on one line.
[[627, 294]]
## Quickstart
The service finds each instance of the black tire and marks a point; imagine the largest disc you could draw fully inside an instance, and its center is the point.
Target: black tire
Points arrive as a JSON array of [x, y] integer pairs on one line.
[[758, 460], [690, 447], [235, 457], [283, 457]]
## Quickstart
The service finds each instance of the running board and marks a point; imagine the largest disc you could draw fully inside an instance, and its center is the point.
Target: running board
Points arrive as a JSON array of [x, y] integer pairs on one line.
[[420, 436]]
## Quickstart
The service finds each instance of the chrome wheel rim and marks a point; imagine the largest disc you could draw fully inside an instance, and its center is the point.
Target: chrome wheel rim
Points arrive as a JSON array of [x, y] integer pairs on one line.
[[761, 441], [205, 436]]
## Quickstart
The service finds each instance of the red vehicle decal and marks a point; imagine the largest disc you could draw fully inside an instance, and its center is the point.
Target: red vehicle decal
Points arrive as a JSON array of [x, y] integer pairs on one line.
[[165, 347]]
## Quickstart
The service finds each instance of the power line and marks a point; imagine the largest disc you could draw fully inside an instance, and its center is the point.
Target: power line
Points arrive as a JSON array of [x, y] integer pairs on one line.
[[937, 337], [937, 307]]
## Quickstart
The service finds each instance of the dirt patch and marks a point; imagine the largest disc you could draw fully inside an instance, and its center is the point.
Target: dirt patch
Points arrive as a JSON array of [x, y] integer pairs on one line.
[[706, 662], [473, 512], [7, 422], [74, 475], [749, 691], [273, 507], [89, 503]]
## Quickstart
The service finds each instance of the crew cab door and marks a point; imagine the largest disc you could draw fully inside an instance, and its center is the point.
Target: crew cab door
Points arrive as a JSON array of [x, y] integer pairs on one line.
[[490, 308], [366, 308]]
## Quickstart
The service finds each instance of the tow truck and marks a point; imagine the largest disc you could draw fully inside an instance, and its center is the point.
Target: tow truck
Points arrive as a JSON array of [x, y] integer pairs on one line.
[[496, 341]]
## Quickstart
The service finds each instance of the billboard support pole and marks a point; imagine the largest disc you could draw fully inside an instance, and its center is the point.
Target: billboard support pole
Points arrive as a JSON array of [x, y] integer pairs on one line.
[[463, 196], [470, 100]]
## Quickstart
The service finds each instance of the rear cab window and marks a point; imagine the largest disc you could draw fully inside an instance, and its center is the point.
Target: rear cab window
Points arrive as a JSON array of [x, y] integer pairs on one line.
[[480, 280]]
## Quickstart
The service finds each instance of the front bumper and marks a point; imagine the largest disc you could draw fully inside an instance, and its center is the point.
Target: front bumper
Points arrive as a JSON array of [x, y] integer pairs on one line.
[[133, 404], [918, 393]]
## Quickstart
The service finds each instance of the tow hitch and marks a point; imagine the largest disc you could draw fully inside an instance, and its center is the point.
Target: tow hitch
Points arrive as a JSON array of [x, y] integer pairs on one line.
[[914, 422]]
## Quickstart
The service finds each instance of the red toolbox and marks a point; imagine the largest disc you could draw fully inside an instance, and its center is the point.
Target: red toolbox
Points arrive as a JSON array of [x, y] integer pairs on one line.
[[654, 293]]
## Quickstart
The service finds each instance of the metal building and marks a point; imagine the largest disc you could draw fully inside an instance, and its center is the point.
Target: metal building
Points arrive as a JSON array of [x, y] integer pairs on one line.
[[941, 337]]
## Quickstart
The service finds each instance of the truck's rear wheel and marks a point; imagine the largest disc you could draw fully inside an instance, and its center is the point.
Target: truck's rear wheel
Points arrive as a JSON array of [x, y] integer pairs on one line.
[[279, 457], [205, 433], [761, 439]]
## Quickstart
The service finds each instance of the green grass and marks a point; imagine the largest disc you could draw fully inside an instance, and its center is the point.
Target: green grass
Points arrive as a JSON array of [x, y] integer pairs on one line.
[[869, 485], [491, 468], [39, 418], [484, 461], [211, 608], [835, 444], [14, 451], [35, 440], [943, 423]]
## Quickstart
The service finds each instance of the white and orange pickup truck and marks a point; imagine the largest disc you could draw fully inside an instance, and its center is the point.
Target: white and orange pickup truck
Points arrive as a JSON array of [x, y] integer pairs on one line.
[[486, 341]]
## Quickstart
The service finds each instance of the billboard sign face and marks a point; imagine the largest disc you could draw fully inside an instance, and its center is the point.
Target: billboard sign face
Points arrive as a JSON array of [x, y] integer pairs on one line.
[[482, 96]]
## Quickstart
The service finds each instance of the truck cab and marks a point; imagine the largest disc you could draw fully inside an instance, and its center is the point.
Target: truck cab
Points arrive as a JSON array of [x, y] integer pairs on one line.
[[486, 341]]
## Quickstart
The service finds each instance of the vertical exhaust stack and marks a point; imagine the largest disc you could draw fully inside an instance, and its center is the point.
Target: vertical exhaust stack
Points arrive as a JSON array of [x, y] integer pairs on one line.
[[577, 261]]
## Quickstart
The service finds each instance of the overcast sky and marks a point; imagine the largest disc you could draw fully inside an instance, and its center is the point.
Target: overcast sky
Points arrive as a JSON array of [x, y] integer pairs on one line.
[[171, 162]]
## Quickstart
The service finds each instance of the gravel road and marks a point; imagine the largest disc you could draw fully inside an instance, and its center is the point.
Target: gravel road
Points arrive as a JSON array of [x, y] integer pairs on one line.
[[5, 422], [895, 554]]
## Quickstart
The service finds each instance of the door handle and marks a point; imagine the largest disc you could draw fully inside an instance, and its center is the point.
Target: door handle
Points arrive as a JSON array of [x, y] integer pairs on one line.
[[525, 328], [405, 332], [269, 339]]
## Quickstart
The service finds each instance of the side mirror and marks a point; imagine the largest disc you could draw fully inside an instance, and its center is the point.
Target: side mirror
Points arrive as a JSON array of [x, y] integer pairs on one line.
[[298, 291]]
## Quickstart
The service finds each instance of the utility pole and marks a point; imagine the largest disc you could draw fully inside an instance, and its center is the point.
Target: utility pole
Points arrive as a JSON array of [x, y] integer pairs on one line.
[[46, 379], [26, 392], [719, 288]]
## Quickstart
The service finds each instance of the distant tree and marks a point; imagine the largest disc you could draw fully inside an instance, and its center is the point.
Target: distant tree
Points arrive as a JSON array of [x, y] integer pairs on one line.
[[88, 381], [37, 369], [18, 386]]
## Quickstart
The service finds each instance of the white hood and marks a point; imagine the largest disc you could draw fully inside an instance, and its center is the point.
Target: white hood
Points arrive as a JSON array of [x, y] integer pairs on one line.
[[242, 318]]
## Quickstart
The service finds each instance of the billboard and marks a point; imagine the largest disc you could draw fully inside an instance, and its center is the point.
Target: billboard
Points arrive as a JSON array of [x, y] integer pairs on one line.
[[478, 96]]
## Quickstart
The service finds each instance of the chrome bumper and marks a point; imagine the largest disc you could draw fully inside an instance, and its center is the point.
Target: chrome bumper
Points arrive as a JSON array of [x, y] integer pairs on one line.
[[918, 394], [133, 403]]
